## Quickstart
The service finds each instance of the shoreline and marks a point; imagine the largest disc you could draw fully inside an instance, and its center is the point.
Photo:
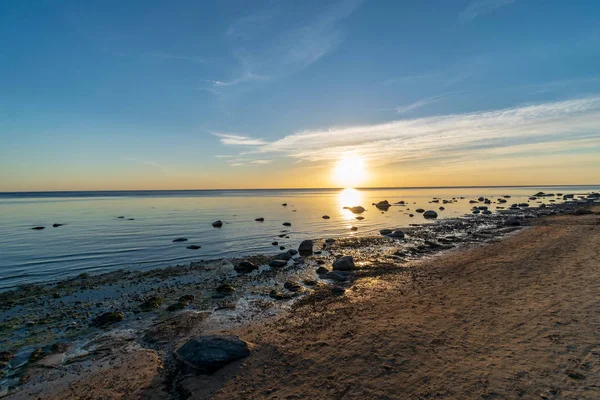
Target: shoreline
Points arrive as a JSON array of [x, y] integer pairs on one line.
[[213, 310]]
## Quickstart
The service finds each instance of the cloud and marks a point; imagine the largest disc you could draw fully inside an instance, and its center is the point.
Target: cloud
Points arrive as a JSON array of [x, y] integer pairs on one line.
[[238, 140], [420, 103], [261, 162], [477, 8], [262, 50], [568, 125]]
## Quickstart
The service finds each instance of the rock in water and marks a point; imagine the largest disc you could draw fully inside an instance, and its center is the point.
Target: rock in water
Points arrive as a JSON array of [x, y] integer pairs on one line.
[[287, 224], [344, 263], [278, 263], [56, 225], [225, 288], [108, 318], [512, 222], [357, 209], [245, 267], [360, 218], [261, 219], [206, 354], [353, 228], [420, 210], [306, 248], [292, 252], [193, 247], [430, 214], [179, 240], [325, 217], [397, 234], [217, 224], [38, 228], [283, 256], [284, 204]]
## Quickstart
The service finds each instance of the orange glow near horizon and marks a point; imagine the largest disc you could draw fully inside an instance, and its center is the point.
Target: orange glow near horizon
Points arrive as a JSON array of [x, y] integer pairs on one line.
[[349, 171]]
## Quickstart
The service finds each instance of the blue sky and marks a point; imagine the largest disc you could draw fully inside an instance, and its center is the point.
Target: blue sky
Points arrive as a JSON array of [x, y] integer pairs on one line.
[[198, 94]]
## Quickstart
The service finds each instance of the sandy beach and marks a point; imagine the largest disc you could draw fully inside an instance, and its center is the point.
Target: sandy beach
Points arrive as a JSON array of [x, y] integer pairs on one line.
[[516, 317]]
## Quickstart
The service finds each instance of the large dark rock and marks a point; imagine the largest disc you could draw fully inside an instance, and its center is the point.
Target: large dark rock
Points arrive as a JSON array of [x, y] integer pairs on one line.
[[338, 276], [283, 256], [306, 248], [206, 354], [383, 205], [278, 263], [245, 267], [397, 234], [344, 263], [385, 231], [430, 214], [512, 222]]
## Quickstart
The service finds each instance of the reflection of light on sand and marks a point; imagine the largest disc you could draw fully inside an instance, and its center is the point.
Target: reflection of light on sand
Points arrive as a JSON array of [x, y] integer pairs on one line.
[[349, 198]]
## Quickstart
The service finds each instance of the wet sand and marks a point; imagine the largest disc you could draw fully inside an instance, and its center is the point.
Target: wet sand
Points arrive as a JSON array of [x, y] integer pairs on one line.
[[514, 318]]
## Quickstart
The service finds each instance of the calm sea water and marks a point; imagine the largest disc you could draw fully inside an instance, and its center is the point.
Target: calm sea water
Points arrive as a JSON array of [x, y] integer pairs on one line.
[[94, 240]]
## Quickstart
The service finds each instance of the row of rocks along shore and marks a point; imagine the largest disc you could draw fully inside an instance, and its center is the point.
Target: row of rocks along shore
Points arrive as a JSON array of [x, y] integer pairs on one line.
[[58, 325]]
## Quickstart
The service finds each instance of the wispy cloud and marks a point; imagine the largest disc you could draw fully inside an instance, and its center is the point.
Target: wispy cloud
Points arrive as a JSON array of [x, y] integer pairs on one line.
[[477, 8], [262, 52], [261, 162], [420, 103], [452, 138], [238, 140]]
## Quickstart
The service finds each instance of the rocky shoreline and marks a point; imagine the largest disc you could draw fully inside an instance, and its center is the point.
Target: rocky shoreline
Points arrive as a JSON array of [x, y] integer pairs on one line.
[[70, 326]]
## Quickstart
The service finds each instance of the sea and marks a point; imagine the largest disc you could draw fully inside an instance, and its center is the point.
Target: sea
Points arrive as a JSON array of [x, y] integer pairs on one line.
[[94, 239]]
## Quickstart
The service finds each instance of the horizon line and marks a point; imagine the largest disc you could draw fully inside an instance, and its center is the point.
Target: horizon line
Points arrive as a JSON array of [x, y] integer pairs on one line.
[[304, 188]]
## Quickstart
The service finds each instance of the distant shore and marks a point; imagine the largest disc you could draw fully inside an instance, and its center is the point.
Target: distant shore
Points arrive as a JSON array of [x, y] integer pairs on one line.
[[388, 276]]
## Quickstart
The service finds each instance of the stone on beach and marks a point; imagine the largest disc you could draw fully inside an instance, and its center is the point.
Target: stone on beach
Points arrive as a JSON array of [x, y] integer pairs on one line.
[[245, 267], [512, 222], [206, 354], [225, 288], [344, 263], [385, 232], [108, 318], [278, 263], [283, 256], [338, 276], [151, 303], [306, 247], [217, 224], [397, 234]]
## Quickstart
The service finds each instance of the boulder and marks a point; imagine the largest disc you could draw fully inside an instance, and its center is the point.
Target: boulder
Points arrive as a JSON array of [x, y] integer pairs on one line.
[[383, 205], [217, 224], [292, 252], [338, 276], [344, 263], [306, 248], [357, 209], [284, 256], [245, 267], [512, 222], [322, 271], [206, 354], [430, 214], [385, 232]]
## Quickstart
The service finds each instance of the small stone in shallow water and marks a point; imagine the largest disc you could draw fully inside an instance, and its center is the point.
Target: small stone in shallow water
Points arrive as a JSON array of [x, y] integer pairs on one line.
[[325, 217], [284, 204], [38, 228], [420, 210], [217, 224], [151, 303], [206, 354], [360, 218], [357, 209], [353, 228], [193, 247], [56, 225], [292, 252], [275, 243], [179, 240], [430, 214], [261, 219], [287, 224]]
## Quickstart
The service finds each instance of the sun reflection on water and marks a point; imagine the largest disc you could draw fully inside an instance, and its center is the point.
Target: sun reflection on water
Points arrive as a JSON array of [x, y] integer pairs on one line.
[[349, 198]]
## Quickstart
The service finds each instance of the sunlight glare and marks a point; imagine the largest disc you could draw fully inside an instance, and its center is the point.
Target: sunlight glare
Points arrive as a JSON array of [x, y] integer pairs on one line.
[[349, 171]]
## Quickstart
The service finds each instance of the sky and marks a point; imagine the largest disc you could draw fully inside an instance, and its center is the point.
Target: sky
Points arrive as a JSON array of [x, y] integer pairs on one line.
[[189, 94]]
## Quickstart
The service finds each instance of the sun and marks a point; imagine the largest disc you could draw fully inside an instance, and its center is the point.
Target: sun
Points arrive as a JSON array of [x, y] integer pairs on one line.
[[349, 171]]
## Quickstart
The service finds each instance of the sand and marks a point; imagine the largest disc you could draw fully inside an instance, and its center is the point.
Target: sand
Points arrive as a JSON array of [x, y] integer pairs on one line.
[[517, 318]]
